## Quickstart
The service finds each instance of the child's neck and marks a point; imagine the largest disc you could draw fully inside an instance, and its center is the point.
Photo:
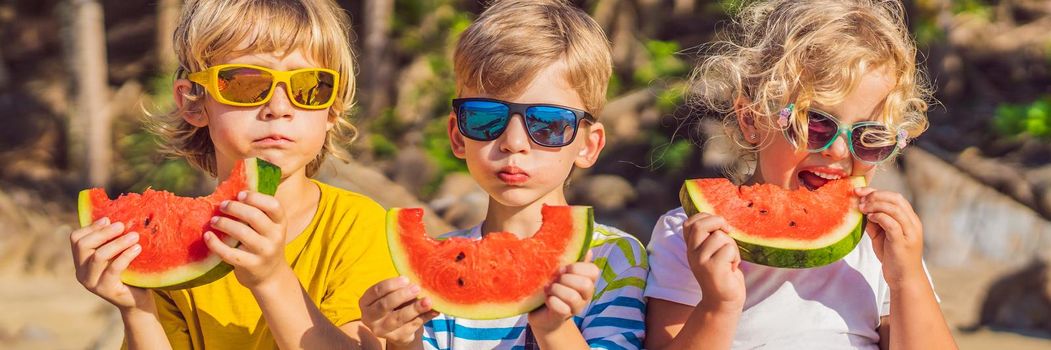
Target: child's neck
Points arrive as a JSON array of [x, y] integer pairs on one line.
[[523, 221]]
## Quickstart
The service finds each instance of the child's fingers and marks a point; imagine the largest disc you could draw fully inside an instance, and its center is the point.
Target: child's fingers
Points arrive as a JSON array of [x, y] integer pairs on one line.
[[587, 256], [894, 210], [559, 307], [249, 237], [107, 251], [584, 286], [891, 228], [249, 215], [587, 270], [86, 245], [716, 241], [267, 204], [230, 255], [393, 300], [702, 229], [905, 213], [381, 289], [407, 314], [79, 233], [864, 191], [569, 296], [112, 274], [728, 253]]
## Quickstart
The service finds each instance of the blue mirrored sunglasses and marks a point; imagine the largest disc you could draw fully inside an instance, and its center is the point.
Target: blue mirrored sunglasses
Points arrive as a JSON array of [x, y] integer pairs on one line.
[[485, 119]]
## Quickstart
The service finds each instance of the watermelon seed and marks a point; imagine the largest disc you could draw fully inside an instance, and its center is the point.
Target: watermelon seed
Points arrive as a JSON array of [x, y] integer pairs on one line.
[[749, 204], [459, 281], [147, 221], [792, 223], [459, 257], [762, 211]]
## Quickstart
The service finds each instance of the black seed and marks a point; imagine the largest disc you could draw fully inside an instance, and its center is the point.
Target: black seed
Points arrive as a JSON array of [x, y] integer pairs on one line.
[[459, 281], [804, 211], [147, 221], [762, 211], [749, 204], [792, 223], [460, 256]]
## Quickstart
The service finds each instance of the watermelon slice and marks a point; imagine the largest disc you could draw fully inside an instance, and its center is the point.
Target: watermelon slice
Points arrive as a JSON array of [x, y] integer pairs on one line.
[[783, 228], [497, 276], [171, 228]]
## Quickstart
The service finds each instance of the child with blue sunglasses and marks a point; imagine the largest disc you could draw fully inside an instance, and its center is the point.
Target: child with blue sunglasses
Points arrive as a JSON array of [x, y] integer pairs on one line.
[[813, 91], [522, 122]]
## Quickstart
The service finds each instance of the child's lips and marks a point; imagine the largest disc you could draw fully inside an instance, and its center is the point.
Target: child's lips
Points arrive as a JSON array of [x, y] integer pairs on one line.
[[512, 175], [272, 141]]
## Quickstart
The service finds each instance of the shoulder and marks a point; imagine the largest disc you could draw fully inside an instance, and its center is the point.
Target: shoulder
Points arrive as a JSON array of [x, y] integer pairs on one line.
[[612, 243], [667, 233], [347, 202]]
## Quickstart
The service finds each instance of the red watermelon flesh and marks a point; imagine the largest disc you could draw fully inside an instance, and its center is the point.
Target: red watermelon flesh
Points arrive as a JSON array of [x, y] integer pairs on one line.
[[171, 228], [495, 277], [783, 228]]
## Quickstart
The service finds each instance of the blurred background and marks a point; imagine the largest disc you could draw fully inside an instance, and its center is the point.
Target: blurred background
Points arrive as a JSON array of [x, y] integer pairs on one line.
[[77, 75]]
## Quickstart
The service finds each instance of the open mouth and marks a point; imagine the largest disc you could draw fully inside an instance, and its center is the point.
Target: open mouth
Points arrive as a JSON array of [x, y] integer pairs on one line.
[[813, 180]]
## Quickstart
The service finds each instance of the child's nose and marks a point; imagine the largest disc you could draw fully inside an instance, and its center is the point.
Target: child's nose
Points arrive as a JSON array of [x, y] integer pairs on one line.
[[279, 106], [514, 139], [838, 150]]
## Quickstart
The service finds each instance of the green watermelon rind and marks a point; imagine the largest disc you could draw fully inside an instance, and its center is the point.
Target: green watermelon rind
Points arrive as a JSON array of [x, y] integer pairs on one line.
[[488, 311], [839, 242], [260, 176]]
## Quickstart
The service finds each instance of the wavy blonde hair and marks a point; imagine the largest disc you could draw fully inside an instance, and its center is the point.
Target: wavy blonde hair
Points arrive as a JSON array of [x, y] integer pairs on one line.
[[787, 51], [210, 30], [513, 40]]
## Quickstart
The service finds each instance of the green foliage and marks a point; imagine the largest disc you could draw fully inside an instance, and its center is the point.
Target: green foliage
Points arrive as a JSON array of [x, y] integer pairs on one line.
[[662, 62], [671, 155], [978, 8], [671, 98], [1033, 119]]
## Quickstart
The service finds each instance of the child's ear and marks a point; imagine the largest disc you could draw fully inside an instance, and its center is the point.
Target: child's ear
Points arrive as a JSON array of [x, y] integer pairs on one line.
[[455, 139], [182, 89], [594, 141], [746, 120]]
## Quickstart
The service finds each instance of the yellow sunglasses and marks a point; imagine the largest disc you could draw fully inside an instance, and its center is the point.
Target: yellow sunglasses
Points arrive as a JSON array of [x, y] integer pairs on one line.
[[245, 85]]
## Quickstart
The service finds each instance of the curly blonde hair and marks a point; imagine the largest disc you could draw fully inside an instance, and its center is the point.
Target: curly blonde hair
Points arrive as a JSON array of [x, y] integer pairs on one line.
[[785, 52], [209, 30]]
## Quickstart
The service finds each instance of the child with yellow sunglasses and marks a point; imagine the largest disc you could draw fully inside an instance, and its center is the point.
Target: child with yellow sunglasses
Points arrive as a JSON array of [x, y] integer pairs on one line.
[[268, 79]]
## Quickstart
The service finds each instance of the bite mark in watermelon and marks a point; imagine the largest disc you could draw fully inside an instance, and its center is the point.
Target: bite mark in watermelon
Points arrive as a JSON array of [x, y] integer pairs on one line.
[[783, 228], [171, 228], [497, 276]]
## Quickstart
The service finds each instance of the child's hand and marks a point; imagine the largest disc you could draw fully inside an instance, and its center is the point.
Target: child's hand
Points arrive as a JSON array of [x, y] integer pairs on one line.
[[897, 234], [714, 260], [99, 260], [567, 296], [258, 222], [390, 310]]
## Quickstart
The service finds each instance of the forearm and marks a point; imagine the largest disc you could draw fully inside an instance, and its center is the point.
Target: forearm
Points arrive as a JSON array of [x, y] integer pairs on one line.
[[294, 320], [566, 336], [708, 327], [916, 320], [142, 330]]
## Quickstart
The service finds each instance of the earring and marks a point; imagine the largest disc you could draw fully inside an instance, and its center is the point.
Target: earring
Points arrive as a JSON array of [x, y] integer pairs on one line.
[[752, 136]]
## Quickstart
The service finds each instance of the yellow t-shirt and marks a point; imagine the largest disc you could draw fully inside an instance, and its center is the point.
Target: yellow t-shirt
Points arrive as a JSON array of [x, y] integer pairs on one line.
[[337, 257]]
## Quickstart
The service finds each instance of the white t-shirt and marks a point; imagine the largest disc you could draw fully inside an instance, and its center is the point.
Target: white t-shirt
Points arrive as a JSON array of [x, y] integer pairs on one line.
[[830, 307]]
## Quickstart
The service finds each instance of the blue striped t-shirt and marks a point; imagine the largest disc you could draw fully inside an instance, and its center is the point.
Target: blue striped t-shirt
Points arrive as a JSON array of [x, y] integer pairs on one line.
[[615, 318]]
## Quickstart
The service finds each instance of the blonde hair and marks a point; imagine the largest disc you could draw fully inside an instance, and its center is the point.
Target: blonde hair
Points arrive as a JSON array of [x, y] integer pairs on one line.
[[801, 52], [511, 41], [210, 30]]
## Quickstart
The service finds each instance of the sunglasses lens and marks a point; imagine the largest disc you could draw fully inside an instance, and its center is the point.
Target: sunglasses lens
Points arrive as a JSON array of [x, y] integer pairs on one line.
[[820, 130], [551, 126], [244, 84], [873, 143], [483, 120], [312, 88]]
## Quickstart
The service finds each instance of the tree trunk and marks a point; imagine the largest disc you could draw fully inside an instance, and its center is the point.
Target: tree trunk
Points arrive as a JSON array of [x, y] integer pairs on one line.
[[89, 122], [167, 19], [377, 68]]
